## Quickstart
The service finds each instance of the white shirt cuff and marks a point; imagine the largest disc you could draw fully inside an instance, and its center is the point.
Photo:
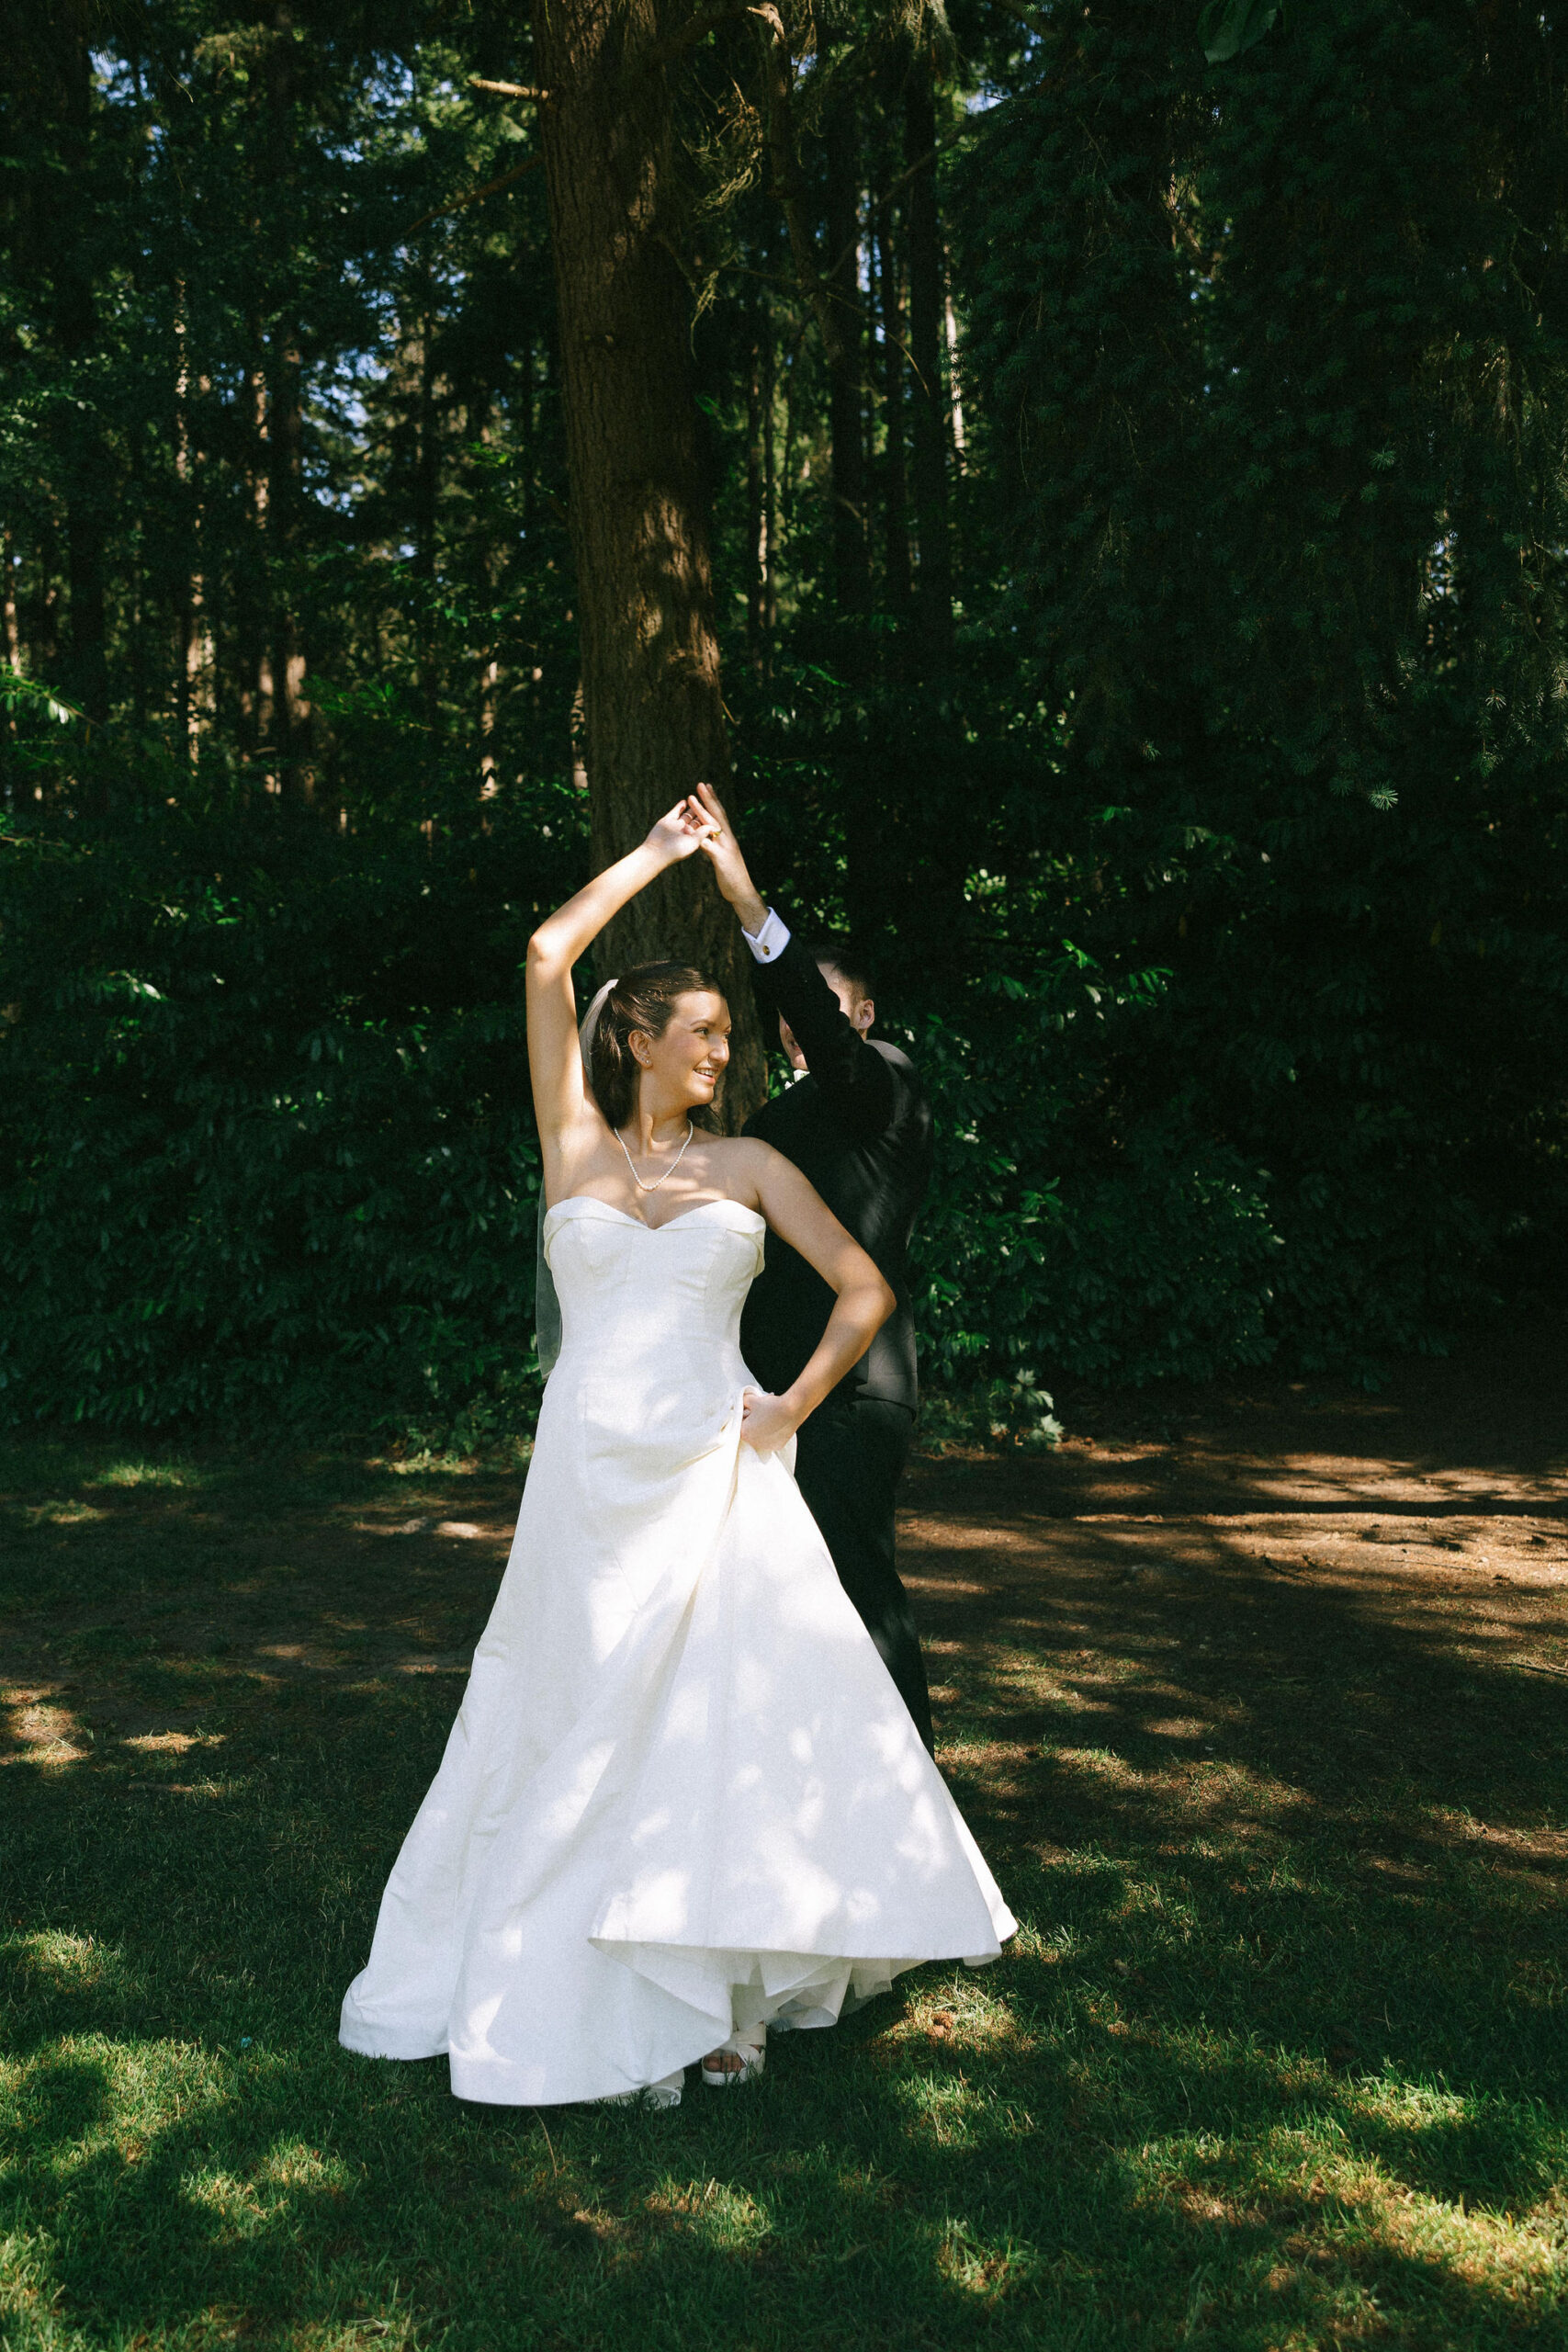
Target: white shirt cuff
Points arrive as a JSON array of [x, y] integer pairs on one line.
[[768, 944]]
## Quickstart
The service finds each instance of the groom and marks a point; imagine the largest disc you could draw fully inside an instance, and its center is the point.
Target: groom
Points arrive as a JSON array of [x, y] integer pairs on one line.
[[858, 1124]]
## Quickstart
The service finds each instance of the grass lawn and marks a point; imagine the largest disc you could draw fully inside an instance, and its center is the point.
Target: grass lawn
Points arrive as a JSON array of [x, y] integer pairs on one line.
[[1279, 1787]]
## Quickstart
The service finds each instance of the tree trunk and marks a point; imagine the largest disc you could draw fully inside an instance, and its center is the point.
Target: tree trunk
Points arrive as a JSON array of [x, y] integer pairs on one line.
[[851, 554], [928, 403], [45, 630], [653, 712], [770, 496], [756, 547], [426, 487], [191, 648], [253, 601], [13, 626], [296, 779], [13, 655], [955, 376], [76, 326], [895, 520], [284, 505]]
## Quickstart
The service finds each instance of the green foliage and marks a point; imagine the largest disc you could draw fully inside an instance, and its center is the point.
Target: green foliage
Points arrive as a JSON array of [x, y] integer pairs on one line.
[[1217, 877], [1158, 1260], [1226, 27], [1276, 377], [269, 1155]]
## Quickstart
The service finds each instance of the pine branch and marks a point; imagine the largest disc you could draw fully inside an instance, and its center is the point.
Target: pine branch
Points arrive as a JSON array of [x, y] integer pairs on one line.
[[475, 195], [1027, 17], [511, 90]]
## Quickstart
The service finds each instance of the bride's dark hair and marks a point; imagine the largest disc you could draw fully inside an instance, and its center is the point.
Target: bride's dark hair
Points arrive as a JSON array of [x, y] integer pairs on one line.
[[645, 998]]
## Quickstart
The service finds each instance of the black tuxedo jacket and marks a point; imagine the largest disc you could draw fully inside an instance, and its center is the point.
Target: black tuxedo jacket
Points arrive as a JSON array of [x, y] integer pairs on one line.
[[860, 1126]]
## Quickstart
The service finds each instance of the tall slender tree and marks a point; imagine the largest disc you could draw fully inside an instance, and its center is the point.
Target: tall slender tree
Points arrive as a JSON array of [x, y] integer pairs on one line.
[[928, 401], [846, 361], [652, 702]]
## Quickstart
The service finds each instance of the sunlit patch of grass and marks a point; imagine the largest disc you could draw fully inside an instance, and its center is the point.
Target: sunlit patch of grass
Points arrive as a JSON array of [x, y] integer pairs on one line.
[[986, 2269], [72, 1512], [1309, 2191], [28, 2295], [727, 2220], [234, 2206], [172, 1743], [962, 1752], [1101, 1764], [1537, 1984], [946, 2110], [47, 1733], [137, 1473], [89, 2098], [55, 1957], [959, 2016], [244, 2205]]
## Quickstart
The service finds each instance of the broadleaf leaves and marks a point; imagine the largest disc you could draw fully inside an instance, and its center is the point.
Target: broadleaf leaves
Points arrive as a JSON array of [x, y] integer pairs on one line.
[[1227, 28]]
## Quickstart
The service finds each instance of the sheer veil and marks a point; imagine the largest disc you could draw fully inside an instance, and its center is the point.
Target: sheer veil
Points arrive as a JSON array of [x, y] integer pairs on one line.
[[546, 1305]]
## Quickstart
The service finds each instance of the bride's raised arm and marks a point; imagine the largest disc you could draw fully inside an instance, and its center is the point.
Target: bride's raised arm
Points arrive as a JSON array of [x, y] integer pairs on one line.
[[561, 1103]]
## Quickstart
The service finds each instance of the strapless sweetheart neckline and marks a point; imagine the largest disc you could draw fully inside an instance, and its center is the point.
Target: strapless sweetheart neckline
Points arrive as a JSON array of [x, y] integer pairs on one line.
[[679, 1218]]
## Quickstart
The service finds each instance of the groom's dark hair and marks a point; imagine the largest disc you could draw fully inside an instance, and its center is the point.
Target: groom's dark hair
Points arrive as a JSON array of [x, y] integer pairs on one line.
[[844, 956], [644, 997]]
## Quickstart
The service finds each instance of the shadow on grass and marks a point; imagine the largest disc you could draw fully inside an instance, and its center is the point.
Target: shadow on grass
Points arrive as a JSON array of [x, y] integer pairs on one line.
[[1278, 2061], [1040, 2173]]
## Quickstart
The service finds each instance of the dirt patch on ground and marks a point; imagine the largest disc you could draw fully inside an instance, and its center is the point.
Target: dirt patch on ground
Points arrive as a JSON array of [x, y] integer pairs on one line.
[[1272, 1567], [1337, 1591]]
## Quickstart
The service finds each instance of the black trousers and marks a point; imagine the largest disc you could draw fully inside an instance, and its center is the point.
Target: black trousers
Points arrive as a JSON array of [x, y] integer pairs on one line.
[[849, 1459]]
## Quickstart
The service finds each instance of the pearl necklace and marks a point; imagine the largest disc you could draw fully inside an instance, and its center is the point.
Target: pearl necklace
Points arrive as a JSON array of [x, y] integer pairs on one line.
[[636, 1180]]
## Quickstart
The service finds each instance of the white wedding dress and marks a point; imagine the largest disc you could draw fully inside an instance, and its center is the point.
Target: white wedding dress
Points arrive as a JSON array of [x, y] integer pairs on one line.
[[681, 1785]]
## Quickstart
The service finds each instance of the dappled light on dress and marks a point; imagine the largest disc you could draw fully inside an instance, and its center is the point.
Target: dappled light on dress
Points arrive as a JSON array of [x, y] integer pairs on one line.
[[681, 1776]]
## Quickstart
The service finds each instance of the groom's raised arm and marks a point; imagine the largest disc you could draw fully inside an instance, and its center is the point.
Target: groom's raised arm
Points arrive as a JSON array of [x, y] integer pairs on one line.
[[851, 1074], [855, 1081]]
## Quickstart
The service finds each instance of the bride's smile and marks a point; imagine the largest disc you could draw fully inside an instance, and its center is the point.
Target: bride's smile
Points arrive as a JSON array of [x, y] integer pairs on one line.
[[684, 1063]]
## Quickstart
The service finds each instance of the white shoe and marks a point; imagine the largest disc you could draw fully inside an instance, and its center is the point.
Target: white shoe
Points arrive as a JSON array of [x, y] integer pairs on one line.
[[750, 2046]]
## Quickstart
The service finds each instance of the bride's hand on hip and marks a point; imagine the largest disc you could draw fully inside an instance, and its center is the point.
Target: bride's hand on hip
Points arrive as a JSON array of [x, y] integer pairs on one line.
[[677, 833], [767, 1423]]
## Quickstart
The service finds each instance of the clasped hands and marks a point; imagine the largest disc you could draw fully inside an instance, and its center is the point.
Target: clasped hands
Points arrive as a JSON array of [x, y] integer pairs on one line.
[[698, 821]]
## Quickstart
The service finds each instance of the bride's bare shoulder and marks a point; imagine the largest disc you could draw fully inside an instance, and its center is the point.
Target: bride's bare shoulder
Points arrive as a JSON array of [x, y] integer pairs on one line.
[[741, 1163]]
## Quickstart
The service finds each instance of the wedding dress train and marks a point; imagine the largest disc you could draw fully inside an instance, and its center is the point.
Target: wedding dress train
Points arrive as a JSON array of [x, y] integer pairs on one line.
[[682, 1782]]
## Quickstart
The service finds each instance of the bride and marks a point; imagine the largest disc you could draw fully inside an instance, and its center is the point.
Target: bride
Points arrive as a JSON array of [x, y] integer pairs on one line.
[[683, 1797]]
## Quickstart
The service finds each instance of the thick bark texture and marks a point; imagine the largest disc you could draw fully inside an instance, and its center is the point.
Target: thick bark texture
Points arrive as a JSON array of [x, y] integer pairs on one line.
[[654, 716]]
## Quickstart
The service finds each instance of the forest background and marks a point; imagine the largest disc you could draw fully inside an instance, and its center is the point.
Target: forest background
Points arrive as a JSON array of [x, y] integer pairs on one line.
[[1128, 443]]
